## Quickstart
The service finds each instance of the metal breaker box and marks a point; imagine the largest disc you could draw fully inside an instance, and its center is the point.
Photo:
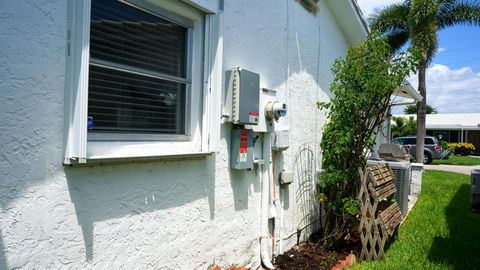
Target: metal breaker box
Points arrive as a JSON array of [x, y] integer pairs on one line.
[[243, 96], [241, 149]]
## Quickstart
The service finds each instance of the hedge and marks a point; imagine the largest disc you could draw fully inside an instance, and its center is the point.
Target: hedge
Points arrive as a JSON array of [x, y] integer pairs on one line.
[[463, 149]]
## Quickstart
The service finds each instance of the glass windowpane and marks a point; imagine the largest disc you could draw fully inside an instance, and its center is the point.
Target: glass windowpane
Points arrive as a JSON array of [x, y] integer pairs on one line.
[[125, 102]]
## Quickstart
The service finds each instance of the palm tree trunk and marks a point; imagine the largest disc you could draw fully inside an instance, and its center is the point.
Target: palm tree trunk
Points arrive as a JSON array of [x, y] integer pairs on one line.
[[421, 112]]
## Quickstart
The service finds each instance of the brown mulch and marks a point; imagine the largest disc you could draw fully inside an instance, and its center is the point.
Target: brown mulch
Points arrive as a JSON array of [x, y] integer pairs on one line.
[[312, 255], [308, 256]]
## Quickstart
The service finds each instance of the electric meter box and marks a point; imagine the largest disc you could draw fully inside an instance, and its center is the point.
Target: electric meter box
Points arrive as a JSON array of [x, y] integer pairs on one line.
[[265, 125], [242, 96], [241, 149]]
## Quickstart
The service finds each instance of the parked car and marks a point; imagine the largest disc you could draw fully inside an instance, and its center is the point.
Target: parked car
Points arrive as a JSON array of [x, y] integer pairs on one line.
[[433, 150]]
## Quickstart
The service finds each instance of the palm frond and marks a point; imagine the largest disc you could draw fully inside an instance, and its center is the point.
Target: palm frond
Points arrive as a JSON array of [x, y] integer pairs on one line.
[[422, 12], [458, 13], [392, 18], [397, 39], [423, 26], [392, 21], [447, 3]]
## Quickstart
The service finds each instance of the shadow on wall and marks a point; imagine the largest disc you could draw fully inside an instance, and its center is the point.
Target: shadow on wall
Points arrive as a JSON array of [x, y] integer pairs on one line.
[[108, 192], [305, 197], [241, 181], [460, 249], [3, 261]]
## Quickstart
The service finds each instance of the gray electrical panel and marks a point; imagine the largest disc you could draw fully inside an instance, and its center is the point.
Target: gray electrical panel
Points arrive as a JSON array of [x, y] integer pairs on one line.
[[242, 96], [241, 149]]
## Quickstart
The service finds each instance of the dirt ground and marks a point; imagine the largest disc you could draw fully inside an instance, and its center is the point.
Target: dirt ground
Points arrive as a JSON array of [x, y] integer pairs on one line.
[[312, 255]]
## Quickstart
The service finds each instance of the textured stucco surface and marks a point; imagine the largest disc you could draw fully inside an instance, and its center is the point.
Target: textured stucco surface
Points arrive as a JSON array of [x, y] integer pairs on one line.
[[162, 214]]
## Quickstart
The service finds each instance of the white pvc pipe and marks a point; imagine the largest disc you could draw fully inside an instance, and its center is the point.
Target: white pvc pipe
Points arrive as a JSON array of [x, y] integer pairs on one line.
[[264, 254], [280, 233]]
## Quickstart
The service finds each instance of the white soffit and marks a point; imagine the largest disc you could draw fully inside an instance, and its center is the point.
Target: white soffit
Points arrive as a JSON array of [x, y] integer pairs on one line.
[[407, 91]]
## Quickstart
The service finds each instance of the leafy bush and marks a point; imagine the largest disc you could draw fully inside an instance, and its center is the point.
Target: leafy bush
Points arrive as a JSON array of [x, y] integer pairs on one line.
[[463, 149], [444, 144], [402, 126], [351, 206], [364, 81]]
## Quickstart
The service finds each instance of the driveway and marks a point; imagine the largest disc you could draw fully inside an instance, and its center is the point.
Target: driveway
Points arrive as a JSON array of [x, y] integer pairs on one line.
[[451, 168]]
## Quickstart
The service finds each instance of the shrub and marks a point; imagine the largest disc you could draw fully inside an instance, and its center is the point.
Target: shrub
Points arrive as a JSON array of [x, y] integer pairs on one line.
[[364, 81], [444, 144], [462, 149]]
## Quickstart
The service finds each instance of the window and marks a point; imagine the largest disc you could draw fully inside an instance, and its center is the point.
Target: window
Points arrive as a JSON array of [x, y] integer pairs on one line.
[[412, 141], [137, 76], [135, 79]]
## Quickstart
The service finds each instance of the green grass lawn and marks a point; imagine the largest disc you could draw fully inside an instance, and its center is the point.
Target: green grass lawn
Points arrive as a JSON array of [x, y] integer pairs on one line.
[[458, 160], [441, 232]]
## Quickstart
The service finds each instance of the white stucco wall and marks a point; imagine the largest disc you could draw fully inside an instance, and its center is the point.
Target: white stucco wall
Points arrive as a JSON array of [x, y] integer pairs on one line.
[[163, 214]]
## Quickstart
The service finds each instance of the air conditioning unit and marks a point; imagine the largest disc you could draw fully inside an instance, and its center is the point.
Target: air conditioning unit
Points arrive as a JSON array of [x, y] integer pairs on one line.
[[476, 190], [402, 171]]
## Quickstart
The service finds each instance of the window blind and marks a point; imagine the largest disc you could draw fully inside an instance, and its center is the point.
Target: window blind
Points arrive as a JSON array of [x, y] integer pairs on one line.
[[137, 77]]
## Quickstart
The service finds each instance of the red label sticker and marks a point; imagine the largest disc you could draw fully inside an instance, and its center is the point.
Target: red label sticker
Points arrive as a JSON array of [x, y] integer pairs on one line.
[[243, 140]]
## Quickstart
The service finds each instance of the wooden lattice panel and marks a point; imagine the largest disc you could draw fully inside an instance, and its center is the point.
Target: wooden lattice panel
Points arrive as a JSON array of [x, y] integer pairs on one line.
[[390, 218], [376, 226], [385, 190]]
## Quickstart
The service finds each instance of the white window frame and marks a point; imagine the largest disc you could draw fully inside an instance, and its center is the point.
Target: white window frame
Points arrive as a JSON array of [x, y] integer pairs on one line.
[[79, 148]]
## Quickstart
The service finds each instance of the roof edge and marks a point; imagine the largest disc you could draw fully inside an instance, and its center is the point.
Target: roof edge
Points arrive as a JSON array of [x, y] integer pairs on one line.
[[350, 19], [360, 14]]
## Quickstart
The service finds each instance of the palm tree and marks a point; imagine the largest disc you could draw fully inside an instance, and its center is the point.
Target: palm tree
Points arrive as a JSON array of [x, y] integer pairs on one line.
[[402, 126], [418, 21], [412, 109]]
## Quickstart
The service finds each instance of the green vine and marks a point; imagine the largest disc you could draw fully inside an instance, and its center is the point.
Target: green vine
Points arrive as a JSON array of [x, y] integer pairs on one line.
[[364, 81]]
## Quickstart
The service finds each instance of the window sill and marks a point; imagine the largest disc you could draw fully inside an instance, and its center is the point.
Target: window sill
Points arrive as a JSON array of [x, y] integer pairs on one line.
[[96, 161], [101, 152]]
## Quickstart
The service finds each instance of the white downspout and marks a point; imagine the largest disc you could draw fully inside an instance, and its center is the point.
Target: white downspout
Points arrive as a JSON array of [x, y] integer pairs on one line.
[[264, 254]]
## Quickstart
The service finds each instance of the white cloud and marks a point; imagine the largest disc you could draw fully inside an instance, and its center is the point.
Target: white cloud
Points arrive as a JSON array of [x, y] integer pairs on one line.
[[441, 50], [368, 7], [451, 90]]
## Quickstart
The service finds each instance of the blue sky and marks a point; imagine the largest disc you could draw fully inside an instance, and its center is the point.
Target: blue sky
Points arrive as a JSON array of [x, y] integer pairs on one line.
[[460, 47], [453, 79]]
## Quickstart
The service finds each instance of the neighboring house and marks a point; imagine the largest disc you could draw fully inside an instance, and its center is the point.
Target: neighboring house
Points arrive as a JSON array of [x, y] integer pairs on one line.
[[115, 152], [464, 127]]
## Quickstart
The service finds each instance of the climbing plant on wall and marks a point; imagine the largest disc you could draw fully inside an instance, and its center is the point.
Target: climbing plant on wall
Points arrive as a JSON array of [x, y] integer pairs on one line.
[[364, 81]]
